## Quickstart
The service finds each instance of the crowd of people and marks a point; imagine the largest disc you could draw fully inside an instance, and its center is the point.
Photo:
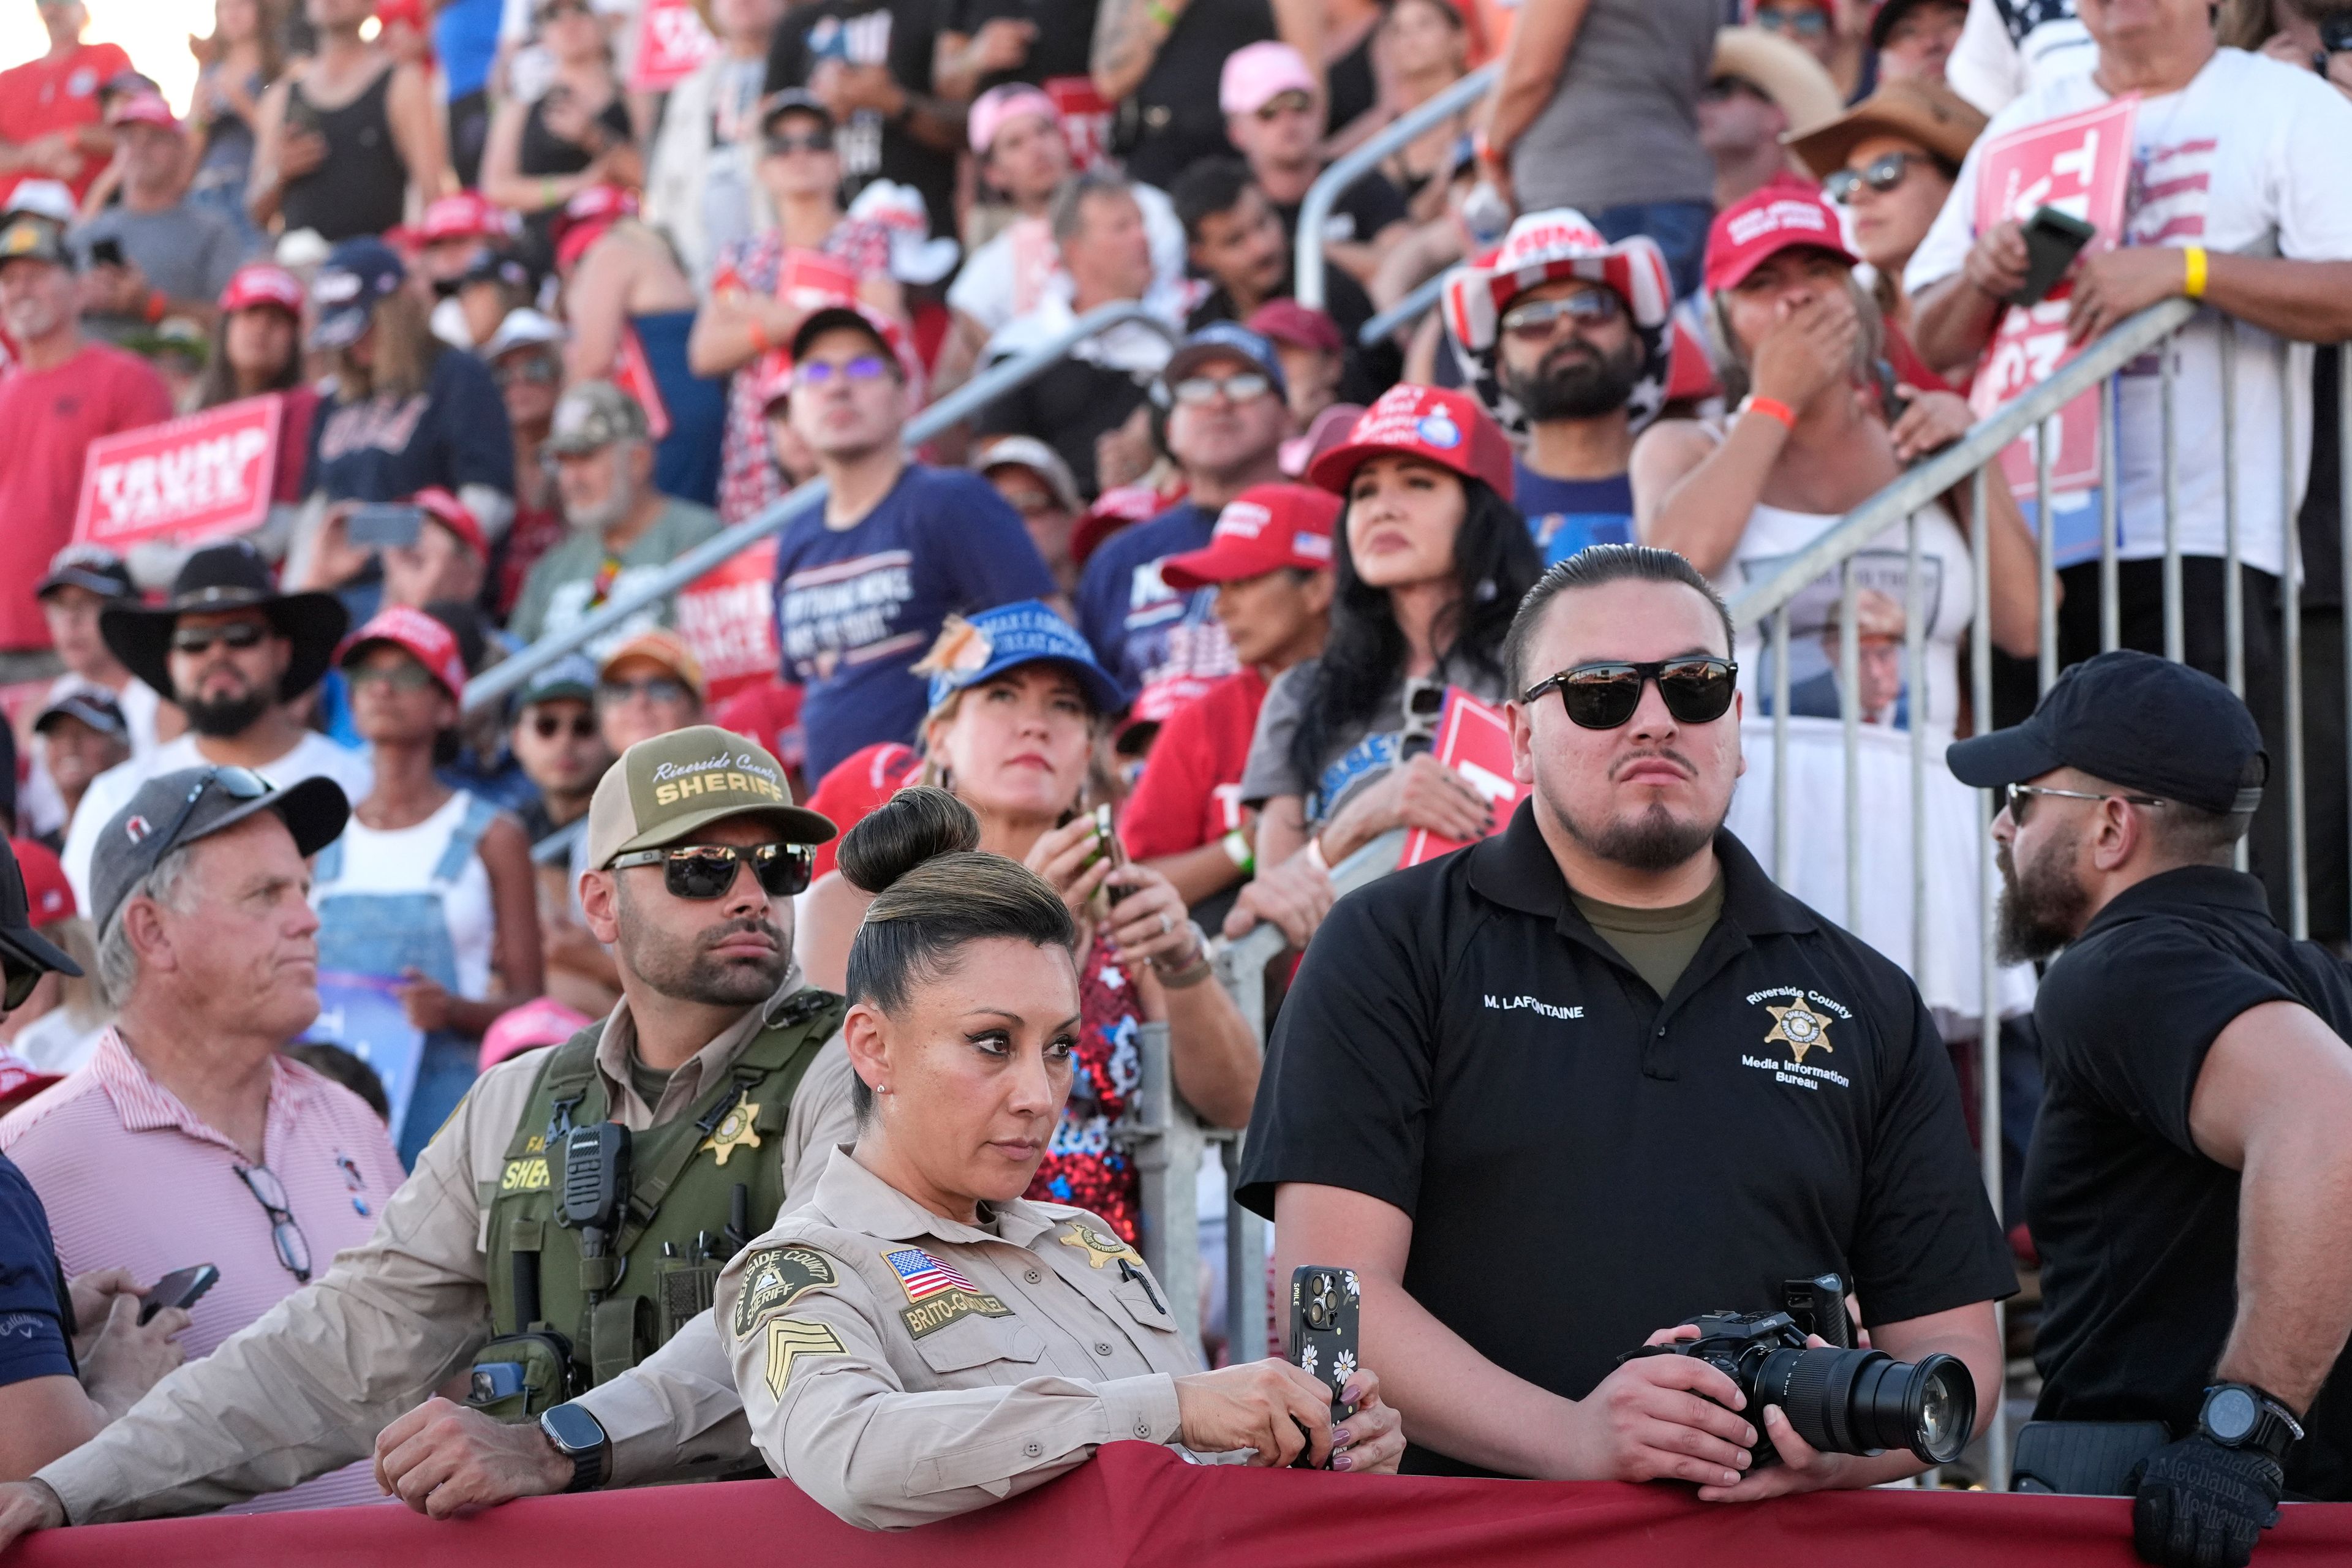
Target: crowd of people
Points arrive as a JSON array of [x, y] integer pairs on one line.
[[367, 990]]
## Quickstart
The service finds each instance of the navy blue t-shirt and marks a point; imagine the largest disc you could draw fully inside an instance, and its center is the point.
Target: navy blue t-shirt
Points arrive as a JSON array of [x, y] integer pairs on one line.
[[454, 432], [32, 1310], [1144, 632], [1566, 515], [857, 607]]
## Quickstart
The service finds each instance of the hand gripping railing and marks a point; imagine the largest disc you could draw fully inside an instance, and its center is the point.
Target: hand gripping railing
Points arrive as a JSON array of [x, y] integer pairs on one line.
[[1168, 1141], [1359, 160], [493, 684]]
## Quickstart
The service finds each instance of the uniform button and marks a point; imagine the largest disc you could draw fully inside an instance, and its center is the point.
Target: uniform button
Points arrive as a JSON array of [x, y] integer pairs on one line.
[[1033, 1450], [1143, 1428], [1032, 1276], [1102, 1347]]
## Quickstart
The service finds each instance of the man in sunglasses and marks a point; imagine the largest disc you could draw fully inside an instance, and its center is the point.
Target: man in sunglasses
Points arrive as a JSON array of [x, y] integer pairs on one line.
[[2186, 1186], [1597, 1075], [556, 739], [721, 1080], [236, 655]]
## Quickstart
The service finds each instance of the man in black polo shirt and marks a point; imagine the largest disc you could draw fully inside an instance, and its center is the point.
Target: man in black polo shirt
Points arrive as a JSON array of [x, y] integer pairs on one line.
[[2190, 1185], [1598, 1075]]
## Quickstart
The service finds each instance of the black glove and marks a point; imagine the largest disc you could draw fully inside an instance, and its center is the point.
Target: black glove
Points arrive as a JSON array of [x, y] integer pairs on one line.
[[2200, 1505]]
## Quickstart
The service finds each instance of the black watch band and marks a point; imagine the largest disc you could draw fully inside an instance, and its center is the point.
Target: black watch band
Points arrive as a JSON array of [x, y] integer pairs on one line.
[[579, 1438], [2242, 1415]]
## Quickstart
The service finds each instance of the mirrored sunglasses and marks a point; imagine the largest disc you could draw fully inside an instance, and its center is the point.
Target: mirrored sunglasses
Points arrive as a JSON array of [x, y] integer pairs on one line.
[[1604, 696], [1880, 174], [1539, 318], [705, 871], [1197, 390]]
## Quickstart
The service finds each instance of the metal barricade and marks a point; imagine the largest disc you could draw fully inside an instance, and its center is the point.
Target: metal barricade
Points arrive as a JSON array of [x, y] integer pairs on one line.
[[1361, 161]]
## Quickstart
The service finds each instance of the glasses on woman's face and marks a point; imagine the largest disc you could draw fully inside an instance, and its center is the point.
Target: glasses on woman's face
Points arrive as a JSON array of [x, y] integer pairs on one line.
[[702, 872], [405, 676], [284, 1233], [537, 369], [1880, 174], [1604, 696], [548, 726], [1536, 321], [654, 688]]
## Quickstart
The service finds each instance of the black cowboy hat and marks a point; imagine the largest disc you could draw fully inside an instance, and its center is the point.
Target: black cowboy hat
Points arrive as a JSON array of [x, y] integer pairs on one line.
[[227, 576]]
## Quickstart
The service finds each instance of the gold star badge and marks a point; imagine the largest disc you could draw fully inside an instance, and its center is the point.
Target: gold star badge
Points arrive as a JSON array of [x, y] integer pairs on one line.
[[1099, 1248], [734, 1130], [1800, 1027]]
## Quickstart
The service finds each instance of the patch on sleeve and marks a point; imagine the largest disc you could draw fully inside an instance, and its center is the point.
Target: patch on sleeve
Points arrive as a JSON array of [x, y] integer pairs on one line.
[[789, 1339], [774, 1278]]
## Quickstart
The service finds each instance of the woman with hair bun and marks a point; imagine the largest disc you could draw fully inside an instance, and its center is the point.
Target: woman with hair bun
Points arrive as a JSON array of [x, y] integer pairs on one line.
[[1017, 707], [918, 1340]]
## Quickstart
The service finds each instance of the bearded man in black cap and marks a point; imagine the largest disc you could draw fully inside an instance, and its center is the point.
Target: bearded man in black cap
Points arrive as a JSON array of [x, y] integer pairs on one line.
[[2189, 1186], [234, 654]]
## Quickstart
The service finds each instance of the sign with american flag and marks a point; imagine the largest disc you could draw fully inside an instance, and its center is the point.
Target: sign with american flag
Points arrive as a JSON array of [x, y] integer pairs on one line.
[[924, 1275]]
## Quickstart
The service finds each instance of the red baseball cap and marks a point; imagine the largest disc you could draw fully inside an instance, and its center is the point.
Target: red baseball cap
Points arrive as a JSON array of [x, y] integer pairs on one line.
[[20, 1079], [454, 515], [263, 283], [1262, 529], [419, 636], [1447, 428], [1297, 326], [1777, 218], [145, 109], [772, 378], [467, 215], [48, 895]]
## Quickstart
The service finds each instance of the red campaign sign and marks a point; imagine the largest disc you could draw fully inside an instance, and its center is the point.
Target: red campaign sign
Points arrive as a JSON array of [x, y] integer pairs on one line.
[[1086, 117], [727, 617], [187, 480], [1473, 740], [633, 375], [672, 45], [810, 277], [2080, 164]]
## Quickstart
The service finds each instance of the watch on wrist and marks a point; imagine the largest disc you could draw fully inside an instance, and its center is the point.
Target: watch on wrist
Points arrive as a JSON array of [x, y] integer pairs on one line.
[[579, 1438], [2240, 1416]]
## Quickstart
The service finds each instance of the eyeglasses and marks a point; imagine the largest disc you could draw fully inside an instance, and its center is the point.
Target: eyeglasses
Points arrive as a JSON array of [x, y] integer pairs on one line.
[[2014, 798], [237, 783], [1880, 174], [653, 688], [1538, 320], [820, 373], [238, 635], [1293, 101], [705, 871], [1195, 391], [1805, 21], [538, 369], [284, 1233], [812, 141], [406, 676], [1604, 696], [548, 726], [22, 978]]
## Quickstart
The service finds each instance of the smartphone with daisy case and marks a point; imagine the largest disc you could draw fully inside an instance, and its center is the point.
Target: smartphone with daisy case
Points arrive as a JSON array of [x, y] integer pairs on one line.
[[1325, 1305]]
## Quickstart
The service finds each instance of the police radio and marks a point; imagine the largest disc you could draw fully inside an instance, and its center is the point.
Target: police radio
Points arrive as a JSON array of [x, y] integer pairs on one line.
[[596, 1195]]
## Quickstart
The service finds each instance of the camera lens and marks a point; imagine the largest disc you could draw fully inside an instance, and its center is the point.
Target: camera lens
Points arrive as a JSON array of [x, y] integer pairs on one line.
[[1857, 1402]]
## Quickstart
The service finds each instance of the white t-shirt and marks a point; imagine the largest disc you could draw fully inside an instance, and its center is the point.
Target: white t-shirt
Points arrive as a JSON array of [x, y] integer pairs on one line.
[[1011, 274], [2009, 46], [313, 756], [2249, 155]]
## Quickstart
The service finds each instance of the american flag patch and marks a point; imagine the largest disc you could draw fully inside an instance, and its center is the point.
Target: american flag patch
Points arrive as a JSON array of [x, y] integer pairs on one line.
[[924, 1275]]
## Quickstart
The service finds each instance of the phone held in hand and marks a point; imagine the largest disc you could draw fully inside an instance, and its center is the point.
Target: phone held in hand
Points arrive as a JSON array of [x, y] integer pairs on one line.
[[1325, 1306], [378, 526], [180, 1289], [2053, 240]]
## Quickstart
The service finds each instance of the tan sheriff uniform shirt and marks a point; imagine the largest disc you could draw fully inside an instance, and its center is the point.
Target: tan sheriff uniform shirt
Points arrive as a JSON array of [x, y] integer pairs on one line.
[[307, 1385], [900, 1367]]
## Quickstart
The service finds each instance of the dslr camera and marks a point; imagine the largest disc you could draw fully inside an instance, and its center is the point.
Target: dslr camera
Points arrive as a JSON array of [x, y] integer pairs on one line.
[[1840, 1399]]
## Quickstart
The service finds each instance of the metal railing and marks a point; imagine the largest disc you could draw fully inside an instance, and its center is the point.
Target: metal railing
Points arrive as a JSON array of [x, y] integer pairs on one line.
[[1009, 374], [1405, 311], [1359, 160]]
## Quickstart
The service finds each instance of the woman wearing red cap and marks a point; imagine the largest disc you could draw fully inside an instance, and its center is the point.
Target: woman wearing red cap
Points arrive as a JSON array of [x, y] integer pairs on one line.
[[1433, 559]]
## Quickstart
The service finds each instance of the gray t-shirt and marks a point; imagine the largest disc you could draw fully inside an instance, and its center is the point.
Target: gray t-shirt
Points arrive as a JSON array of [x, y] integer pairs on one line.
[[189, 252], [1623, 123], [563, 582], [1356, 757]]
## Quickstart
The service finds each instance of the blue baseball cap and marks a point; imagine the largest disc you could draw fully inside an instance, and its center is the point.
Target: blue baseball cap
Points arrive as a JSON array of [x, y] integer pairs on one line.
[[1219, 340], [356, 276], [1009, 636]]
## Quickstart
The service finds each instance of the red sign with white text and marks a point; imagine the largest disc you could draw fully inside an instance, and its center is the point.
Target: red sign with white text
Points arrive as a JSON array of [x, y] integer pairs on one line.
[[632, 374], [1086, 117], [727, 617], [185, 480], [1474, 741], [672, 44]]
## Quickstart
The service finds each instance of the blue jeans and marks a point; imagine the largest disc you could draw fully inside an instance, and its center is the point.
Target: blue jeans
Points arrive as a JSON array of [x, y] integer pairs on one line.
[[1679, 227]]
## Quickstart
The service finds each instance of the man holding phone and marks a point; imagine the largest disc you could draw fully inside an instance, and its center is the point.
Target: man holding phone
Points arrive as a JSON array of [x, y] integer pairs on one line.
[[154, 253]]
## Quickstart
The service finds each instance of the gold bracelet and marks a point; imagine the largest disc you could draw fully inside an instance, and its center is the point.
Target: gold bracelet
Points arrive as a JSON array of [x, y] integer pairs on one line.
[[2196, 264]]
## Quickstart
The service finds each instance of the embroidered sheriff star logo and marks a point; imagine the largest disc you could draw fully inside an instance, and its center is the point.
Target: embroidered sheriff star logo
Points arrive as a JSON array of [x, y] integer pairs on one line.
[[1800, 1027]]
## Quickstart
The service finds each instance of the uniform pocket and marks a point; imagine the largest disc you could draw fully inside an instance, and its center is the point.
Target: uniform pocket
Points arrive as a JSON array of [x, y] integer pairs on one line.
[[1142, 1307], [974, 1342]]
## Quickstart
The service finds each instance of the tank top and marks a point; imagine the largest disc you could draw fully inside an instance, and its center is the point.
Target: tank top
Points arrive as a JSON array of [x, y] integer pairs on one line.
[[405, 872], [362, 186], [543, 152]]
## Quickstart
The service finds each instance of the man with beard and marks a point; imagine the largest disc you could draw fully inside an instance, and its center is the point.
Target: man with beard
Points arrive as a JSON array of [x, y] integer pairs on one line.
[[2189, 1186], [1597, 1075], [1564, 337], [236, 655], [705, 1103]]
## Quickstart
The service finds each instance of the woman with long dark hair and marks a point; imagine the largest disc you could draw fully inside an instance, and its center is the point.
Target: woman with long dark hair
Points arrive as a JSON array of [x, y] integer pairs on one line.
[[1431, 560]]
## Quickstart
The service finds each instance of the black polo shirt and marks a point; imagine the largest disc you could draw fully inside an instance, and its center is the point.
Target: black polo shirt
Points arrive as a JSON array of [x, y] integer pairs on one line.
[[2138, 1230], [1585, 1164]]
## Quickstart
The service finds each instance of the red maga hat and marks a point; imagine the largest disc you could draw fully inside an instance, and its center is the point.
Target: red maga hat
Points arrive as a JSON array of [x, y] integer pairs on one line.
[[263, 283], [1262, 529], [418, 635], [1447, 428], [1778, 218]]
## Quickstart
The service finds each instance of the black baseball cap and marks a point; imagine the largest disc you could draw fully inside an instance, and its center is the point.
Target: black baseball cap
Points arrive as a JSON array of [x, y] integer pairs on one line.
[[90, 566], [93, 705], [188, 804], [21, 946], [2139, 723]]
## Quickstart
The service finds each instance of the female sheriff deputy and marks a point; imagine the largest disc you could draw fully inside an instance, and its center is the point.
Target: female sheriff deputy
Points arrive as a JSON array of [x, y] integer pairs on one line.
[[919, 1340]]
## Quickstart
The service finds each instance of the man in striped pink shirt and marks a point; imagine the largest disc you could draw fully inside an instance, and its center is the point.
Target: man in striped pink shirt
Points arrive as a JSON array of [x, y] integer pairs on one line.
[[188, 1138]]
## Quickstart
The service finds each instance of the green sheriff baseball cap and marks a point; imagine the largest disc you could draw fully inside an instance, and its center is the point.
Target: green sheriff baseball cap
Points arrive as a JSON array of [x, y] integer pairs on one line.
[[665, 790]]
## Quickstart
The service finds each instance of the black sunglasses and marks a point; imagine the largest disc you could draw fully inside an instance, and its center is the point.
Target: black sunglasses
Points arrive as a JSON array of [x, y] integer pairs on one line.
[[548, 726], [2016, 797], [810, 141], [284, 1233], [705, 871], [1880, 174], [237, 783], [1604, 696], [22, 978], [238, 635]]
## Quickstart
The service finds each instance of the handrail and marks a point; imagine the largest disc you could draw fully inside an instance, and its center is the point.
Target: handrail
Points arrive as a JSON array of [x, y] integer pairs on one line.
[[493, 684], [1924, 482], [1353, 165], [1412, 308]]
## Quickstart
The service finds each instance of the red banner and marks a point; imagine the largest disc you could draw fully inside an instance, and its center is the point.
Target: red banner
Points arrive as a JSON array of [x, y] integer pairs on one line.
[[1473, 739], [672, 44], [1140, 1505], [727, 617], [1085, 115], [186, 479], [632, 374]]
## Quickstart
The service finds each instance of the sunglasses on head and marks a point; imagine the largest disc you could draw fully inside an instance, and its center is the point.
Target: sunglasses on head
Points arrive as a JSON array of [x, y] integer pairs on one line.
[[807, 141], [237, 783], [238, 635], [1880, 174], [548, 726], [1538, 320], [820, 373], [705, 871], [1697, 691], [1198, 390]]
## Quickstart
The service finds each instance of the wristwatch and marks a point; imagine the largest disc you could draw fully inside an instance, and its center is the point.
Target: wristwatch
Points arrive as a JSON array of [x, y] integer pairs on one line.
[[580, 1437], [2240, 1416]]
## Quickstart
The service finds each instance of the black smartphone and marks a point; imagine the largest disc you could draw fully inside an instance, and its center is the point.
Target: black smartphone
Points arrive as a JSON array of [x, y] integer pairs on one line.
[[1325, 1305], [1108, 837], [106, 252], [180, 1289], [1890, 406], [2053, 240], [300, 116], [378, 526]]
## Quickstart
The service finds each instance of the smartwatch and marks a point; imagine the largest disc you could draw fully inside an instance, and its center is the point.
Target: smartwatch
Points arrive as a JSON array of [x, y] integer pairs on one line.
[[2240, 1416], [580, 1437]]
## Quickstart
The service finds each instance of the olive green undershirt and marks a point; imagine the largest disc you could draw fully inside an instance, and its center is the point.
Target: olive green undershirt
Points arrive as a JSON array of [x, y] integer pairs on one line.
[[651, 1083], [1658, 943]]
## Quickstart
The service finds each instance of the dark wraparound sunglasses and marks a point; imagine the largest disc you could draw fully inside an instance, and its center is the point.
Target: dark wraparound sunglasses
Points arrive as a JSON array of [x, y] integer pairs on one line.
[[1604, 696], [1880, 174], [238, 635], [705, 871]]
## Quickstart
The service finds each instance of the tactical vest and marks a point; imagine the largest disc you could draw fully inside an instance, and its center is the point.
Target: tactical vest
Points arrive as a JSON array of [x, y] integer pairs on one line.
[[686, 1214]]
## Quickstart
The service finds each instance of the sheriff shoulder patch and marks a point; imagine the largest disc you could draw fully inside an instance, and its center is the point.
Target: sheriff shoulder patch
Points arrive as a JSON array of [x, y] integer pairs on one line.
[[774, 1278], [789, 1339]]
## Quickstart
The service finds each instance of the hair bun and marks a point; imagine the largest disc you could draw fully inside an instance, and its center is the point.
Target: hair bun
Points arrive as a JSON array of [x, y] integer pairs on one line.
[[920, 822]]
